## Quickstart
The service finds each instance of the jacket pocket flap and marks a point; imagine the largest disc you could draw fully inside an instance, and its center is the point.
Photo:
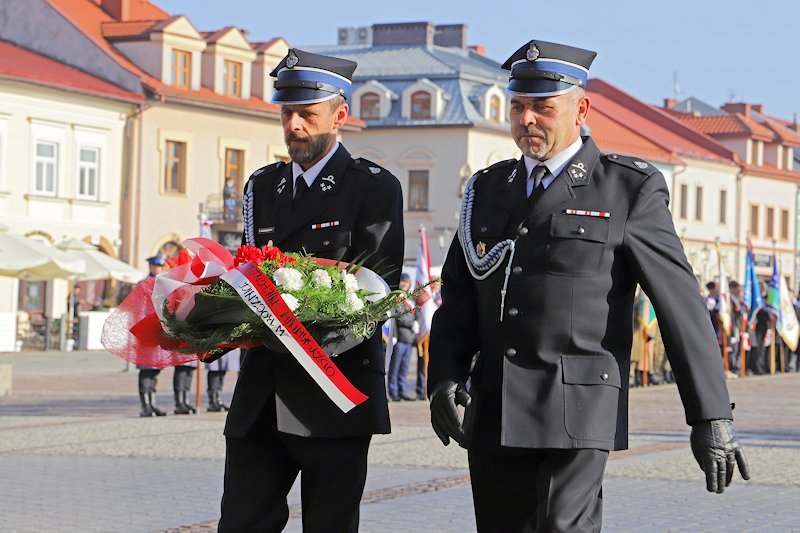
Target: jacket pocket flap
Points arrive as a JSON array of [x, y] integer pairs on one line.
[[585, 228], [320, 240], [591, 370]]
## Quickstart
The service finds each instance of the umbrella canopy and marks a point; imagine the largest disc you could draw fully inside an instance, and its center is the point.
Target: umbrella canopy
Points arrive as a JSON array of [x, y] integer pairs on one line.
[[100, 265], [25, 258]]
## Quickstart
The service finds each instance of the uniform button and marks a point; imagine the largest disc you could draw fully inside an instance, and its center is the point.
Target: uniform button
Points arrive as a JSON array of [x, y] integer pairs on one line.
[[326, 243], [484, 229], [511, 352], [604, 376], [365, 362], [581, 230], [513, 311], [523, 230], [613, 156], [517, 270]]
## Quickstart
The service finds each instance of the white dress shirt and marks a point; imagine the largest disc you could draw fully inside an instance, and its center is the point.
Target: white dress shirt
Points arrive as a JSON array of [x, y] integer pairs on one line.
[[555, 164], [311, 174]]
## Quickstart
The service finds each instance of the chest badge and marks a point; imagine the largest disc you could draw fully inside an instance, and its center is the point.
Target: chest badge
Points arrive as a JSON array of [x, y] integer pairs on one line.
[[327, 183], [281, 185], [480, 248]]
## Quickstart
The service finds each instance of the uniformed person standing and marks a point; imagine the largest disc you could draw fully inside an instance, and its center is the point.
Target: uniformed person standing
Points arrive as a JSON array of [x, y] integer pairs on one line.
[[329, 204], [540, 282], [148, 375]]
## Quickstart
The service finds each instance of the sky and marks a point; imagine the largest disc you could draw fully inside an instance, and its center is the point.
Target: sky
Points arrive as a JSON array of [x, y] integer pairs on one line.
[[720, 51]]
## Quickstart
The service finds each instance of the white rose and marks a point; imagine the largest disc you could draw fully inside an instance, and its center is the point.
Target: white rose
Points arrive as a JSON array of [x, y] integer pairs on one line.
[[291, 301], [321, 278], [353, 303], [289, 278], [350, 282]]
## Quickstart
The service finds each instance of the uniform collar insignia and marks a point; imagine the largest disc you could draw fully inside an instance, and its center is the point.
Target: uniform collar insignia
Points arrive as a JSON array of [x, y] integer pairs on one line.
[[281, 185], [512, 176], [578, 173], [327, 183]]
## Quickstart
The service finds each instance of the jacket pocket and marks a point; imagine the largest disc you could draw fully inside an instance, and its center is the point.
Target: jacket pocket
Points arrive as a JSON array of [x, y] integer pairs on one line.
[[576, 244], [592, 385], [321, 241]]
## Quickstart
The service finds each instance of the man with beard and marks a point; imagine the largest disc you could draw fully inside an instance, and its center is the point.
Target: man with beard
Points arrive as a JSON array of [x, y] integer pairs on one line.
[[540, 284], [333, 206]]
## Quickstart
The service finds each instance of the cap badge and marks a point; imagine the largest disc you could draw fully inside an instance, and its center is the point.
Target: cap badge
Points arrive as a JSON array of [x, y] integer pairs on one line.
[[533, 52], [480, 248], [577, 170], [375, 170], [641, 164], [327, 183], [292, 60]]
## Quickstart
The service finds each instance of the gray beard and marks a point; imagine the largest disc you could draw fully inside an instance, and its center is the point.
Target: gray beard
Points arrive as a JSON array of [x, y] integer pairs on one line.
[[315, 148]]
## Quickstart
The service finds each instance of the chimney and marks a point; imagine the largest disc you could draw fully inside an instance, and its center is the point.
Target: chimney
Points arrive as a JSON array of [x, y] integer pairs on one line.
[[737, 107], [478, 49], [669, 103], [758, 108], [454, 35], [119, 9], [402, 33]]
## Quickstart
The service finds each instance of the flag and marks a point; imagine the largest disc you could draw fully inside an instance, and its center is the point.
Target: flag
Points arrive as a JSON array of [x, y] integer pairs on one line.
[[773, 292], [425, 304], [751, 296], [779, 302], [724, 298]]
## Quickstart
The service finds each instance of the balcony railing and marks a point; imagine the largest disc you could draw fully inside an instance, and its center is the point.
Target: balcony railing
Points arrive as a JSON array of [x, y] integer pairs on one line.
[[219, 211]]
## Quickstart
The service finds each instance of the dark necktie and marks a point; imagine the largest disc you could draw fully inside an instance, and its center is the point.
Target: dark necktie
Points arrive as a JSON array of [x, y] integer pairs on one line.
[[538, 173], [301, 188]]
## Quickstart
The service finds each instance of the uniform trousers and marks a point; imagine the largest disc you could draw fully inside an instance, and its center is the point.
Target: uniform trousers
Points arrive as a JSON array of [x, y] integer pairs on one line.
[[147, 380], [261, 468], [538, 490]]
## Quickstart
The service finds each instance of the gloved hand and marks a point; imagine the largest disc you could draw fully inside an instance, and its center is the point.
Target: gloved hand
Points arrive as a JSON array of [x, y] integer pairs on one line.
[[716, 449], [445, 418]]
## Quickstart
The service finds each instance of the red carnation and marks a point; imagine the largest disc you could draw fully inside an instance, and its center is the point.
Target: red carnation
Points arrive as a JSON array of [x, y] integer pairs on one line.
[[248, 253]]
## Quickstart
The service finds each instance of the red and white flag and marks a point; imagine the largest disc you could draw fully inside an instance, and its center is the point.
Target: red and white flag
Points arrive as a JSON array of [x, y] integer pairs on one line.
[[425, 303]]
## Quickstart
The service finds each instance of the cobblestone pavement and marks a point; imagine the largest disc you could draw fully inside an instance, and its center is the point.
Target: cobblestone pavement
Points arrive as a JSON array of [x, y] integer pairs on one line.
[[74, 456]]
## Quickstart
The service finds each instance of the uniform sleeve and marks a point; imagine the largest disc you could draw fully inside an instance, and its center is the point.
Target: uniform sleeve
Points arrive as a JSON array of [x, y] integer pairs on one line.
[[656, 256], [379, 234], [454, 331]]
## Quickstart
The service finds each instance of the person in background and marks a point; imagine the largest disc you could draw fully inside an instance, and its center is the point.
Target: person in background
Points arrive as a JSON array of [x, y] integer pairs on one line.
[[216, 376], [182, 386], [735, 338], [397, 378], [148, 375], [229, 197]]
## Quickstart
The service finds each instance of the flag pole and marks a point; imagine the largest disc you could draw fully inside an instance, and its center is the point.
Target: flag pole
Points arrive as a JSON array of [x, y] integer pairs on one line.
[[772, 352], [742, 347]]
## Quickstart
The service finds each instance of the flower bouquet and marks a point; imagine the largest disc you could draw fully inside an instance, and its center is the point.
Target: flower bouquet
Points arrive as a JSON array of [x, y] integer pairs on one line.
[[209, 301]]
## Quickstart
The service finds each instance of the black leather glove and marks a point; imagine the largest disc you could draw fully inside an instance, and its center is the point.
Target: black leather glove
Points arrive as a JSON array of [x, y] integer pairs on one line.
[[445, 418], [716, 449]]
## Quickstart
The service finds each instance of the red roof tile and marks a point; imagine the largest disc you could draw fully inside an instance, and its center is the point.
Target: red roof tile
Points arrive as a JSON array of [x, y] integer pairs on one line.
[[23, 65], [260, 47], [657, 126], [729, 124], [116, 30]]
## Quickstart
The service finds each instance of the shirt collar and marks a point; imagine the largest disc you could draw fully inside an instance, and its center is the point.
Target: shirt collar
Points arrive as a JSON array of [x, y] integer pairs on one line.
[[556, 163], [311, 174]]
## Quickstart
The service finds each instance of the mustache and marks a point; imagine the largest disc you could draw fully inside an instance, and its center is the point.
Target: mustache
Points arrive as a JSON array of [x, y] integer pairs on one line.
[[532, 131], [292, 136]]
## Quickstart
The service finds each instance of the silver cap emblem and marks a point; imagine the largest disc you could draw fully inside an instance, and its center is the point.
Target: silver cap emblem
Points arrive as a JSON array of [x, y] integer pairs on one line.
[[533, 52], [292, 60]]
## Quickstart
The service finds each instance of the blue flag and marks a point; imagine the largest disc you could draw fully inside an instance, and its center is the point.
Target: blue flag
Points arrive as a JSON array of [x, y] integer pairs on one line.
[[751, 296], [774, 291]]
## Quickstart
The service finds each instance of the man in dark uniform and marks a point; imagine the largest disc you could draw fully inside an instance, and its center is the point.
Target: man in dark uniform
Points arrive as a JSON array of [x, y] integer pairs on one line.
[[329, 204], [148, 375], [540, 283]]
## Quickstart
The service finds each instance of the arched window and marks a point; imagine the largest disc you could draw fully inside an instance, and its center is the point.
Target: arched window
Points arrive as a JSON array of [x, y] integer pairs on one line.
[[370, 106], [421, 104], [494, 109]]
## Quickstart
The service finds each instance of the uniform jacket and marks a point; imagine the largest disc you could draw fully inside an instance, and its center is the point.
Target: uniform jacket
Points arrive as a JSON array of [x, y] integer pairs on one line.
[[554, 372], [366, 202]]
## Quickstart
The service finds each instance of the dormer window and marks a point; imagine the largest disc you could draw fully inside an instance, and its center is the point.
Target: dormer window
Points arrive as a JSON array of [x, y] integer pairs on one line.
[[370, 106], [421, 105], [494, 109], [233, 78], [181, 69]]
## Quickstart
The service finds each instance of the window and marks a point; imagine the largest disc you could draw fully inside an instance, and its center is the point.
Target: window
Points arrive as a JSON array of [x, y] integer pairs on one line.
[[88, 172], [234, 166], [754, 152], [698, 205], [46, 162], [181, 69], [754, 220], [418, 190], [370, 106], [683, 210], [784, 224], [723, 206], [175, 174], [494, 109], [421, 104], [233, 78], [770, 223]]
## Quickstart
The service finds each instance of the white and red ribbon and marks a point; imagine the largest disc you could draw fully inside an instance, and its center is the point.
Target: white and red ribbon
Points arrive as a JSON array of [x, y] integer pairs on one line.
[[263, 298]]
